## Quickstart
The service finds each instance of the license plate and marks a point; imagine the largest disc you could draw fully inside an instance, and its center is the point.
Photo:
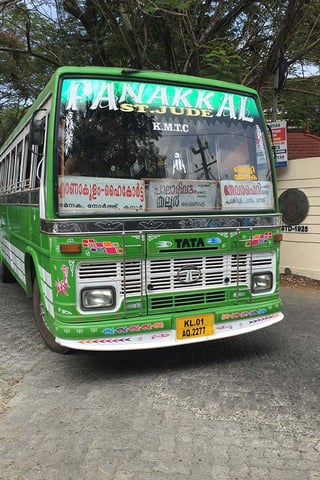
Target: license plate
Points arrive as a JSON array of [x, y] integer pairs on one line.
[[194, 326]]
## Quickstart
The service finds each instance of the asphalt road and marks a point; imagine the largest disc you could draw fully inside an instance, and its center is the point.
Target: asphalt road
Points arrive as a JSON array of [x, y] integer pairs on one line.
[[242, 408]]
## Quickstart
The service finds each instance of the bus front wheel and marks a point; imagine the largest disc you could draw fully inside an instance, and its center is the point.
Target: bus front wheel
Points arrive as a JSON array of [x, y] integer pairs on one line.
[[39, 316]]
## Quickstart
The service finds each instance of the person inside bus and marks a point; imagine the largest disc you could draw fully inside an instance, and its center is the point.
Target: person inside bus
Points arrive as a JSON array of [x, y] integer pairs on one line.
[[70, 166]]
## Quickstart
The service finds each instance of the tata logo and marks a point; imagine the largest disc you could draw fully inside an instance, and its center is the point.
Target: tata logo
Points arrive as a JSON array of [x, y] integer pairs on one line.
[[189, 274], [189, 242]]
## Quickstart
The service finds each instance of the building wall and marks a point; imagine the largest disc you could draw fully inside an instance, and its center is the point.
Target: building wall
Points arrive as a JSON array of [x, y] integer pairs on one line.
[[300, 248]]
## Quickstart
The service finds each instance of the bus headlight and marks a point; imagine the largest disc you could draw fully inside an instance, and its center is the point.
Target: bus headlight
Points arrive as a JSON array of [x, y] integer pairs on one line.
[[261, 282], [93, 298]]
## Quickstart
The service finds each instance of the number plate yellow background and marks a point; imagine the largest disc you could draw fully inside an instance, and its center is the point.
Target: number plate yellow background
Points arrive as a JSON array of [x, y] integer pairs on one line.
[[194, 326]]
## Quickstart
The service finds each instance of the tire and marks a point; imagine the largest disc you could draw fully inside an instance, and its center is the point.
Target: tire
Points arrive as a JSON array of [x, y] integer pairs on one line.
[[5, 274], [38, 312]]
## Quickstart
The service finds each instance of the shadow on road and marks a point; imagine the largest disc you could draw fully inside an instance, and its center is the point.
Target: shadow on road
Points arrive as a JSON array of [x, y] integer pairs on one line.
[[227, 351]]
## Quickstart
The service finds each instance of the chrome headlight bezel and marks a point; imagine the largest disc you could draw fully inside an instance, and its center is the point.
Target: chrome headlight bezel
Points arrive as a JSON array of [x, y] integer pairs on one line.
[[261, 282], [98, 298]]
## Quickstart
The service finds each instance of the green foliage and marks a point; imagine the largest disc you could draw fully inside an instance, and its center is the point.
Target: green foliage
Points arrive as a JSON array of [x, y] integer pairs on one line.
[[9, 118], [21, 74], [300, 104], [222, 61], [17, 79], [235, 40]]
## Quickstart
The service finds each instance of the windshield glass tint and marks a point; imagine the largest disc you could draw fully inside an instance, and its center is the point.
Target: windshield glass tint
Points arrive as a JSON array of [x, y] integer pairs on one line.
[[130, 146]]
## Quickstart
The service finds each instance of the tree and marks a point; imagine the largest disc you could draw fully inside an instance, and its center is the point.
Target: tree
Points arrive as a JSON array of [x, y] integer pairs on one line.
[[186, 35], [239, 40], [22, 70], [300, 104]]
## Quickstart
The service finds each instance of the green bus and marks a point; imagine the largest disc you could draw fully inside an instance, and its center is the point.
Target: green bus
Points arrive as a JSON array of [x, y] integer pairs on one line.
[[139, 210]]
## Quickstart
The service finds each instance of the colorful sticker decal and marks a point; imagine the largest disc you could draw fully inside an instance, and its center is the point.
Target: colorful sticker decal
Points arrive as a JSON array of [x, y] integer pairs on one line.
[[213, 241], [244, 172], [155, 337], [105, 340], [63, 285], [102, 247], [258, 239], [134, 305], [262, 319], [46, 281], [71, 266], [133, 328], [233, 315], [245, 323], [64, 311], [164, 244]]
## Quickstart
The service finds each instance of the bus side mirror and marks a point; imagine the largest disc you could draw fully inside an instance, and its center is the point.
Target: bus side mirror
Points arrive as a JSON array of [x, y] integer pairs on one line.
[[37, 128]]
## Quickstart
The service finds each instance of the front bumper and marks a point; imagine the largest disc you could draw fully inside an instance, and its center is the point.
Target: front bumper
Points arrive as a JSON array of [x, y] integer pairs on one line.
[[165, 337]]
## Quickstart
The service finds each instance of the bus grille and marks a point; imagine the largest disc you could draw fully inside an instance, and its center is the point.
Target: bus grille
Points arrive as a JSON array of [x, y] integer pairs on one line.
[[160, 279], [180, 301]]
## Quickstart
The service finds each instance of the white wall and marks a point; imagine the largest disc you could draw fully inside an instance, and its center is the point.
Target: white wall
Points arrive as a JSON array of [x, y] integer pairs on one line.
[[300, 252]]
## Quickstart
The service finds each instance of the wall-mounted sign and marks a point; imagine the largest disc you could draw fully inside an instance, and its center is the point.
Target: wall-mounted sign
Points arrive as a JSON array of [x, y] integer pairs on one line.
[[279, 140], [295, 228]]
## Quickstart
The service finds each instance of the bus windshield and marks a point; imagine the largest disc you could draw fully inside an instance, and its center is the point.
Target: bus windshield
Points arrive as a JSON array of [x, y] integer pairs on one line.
[[128, 147]]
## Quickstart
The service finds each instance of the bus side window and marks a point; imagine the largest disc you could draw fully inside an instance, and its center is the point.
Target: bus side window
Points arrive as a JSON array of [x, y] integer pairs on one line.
[[19, 166], [37, 154], [7, 173], [11, 169], [2, 177], [26, 172]]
